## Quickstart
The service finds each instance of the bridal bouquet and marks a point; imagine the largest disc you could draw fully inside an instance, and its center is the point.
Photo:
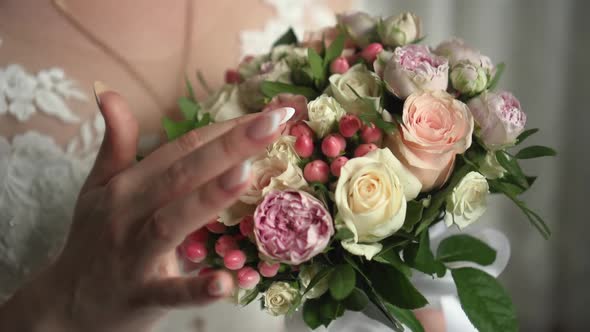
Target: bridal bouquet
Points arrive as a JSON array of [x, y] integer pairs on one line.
[[389, 137]]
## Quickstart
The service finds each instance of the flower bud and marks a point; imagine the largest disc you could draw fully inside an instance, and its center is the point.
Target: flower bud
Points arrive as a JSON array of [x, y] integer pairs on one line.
[[248, 278], [216, 227], [468, 78], [234, 259], [316, 171], [247, 226], [224, 244], [304, 146], [337, 164], [267, 269], [339, 65], [195, 251], [349, 125], [232, 76], [371, 134], [363, 149], [399, 30], [301, 129], [332, 145], [370, 52]]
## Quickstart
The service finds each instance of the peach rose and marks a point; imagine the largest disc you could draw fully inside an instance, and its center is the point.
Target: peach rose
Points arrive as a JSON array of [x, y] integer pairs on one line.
[[435, 128]]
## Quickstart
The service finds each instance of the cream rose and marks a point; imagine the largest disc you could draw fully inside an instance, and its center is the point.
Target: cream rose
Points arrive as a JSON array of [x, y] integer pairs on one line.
[[468, 201], [363, 81], [272, 173], [324, 112], [435, 128], [490, 167], [283, 148], [279, 298], [225, 104], [371, 196], [306, 274]]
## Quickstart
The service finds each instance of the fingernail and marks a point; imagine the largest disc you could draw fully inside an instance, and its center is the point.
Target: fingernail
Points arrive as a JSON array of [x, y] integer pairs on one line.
[[99, 88], [216, 288], [236, 176], [268, 124]]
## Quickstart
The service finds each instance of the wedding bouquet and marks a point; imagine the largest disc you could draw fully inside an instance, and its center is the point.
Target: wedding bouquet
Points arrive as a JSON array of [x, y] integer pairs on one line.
[[388, 138]]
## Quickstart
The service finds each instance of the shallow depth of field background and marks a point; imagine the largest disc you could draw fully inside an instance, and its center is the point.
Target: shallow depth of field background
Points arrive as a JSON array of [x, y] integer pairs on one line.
[[546, 47]]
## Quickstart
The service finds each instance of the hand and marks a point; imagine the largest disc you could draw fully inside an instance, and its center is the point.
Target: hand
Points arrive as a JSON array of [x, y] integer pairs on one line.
[[118, 270]]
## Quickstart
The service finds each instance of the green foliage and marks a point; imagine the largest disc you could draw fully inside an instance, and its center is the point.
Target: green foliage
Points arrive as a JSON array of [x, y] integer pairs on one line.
[[318, 71], [334, 50], [188, 107], [271, 89], [395, 288], [311, 313], [525, 134], [485, 301], [342, 281], [511, 165], [465, 248], [413, 215], [249, 296], [189, 89], [288, 38], [343, 233], [407, 317], [535, 151], [420, 257], [373, 115], [494, 81], [356, 301], [392, 258], [175, 129]]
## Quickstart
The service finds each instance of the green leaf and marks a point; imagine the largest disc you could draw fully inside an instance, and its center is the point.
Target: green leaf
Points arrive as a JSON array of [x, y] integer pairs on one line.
[[356, 301], [395, 287], [420, 257], [189, 89], [205, 120], [329, 310], [343, 234], [334, 50], [413, 215], [302, 76], [315, 62], [317, 278], [407, 317], [188, 108], [419, 40], [249, 297], [392, 258], [288, 38], [311, 313], [271, 89], [485, 301], [535, 151], [526, 134], [511, 166], [175, 129], [465, 248], [342, 281], [499, 70]]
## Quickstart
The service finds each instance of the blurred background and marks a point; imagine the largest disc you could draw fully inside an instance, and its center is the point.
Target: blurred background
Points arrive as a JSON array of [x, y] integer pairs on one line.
[[546, 47]]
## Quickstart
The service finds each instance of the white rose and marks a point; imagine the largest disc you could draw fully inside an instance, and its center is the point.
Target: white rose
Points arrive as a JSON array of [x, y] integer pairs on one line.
[[490, 167], [399, 30], [381, 61], [324, 112], [306, 274], [251, 95], [283, 148], [358, 26], [291, 54], [371, 196], [279, 297], [363, 81], [225, 104], [251, 67], [269, 174], [235, 213], [468, 201]]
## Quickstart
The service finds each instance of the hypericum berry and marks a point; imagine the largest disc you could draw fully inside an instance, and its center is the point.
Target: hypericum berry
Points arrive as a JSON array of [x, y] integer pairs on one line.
[[371, 134], [232, 76], [200, 235], [300, 129], [224, 244], [216, 227], [234, 259], [337, 164], [339, 65], [369, 53], [247, 226], [349, 125], [205, 271], [195, 251], [316, 171], [332, 145], [363, 149], [267, 269], [248, 278], [304, 146]]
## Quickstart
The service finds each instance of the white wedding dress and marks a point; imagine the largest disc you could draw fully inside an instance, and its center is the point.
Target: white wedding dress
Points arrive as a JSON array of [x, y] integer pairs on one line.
[[39, 182]]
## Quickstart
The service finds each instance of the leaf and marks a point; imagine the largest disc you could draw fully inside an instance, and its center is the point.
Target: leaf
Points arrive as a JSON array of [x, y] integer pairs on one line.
[[485, 301], [311, 313], [329, 310], [499, 70], [420, 257], [189, 89], [392, 258], [395, 287], [175, 129], [419, 40], [205, 120], [188, 108], [413, 215], [511, 166], [315, 62], [356, 301], [334, 50], [526, 134], [271, 89], [535, 151], [288, 38], [465, 248], [317, 278], [249, 297], [342, 281], [343, 234], [407, 317]]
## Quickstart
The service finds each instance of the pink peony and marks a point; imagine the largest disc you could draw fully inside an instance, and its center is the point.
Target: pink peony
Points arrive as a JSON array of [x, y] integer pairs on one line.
[[413, 68], [292, 226]]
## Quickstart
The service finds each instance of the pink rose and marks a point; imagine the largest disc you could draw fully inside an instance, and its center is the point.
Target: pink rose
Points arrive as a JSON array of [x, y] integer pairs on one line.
[[297, 102], [499, 117], [292, 226], [413, 68], [435, 127]]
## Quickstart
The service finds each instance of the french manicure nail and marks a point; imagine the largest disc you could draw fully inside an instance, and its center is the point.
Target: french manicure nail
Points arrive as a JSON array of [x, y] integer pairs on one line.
[[99, 88], [268, 124], [236, 176]]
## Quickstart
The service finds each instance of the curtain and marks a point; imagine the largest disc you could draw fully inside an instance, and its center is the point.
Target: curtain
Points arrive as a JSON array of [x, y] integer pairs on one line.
[[546, 47]]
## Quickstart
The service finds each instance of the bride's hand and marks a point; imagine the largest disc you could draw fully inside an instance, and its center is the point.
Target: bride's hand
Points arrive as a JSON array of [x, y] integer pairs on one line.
[[118, 270]]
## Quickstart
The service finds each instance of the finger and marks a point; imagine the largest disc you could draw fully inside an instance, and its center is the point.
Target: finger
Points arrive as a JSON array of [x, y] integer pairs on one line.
[[160, 159], [169, 225], [184, 291], [119, 145], [214, 158]]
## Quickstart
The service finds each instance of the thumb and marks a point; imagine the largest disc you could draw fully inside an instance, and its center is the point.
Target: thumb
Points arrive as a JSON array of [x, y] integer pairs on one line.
[[119, 146]]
